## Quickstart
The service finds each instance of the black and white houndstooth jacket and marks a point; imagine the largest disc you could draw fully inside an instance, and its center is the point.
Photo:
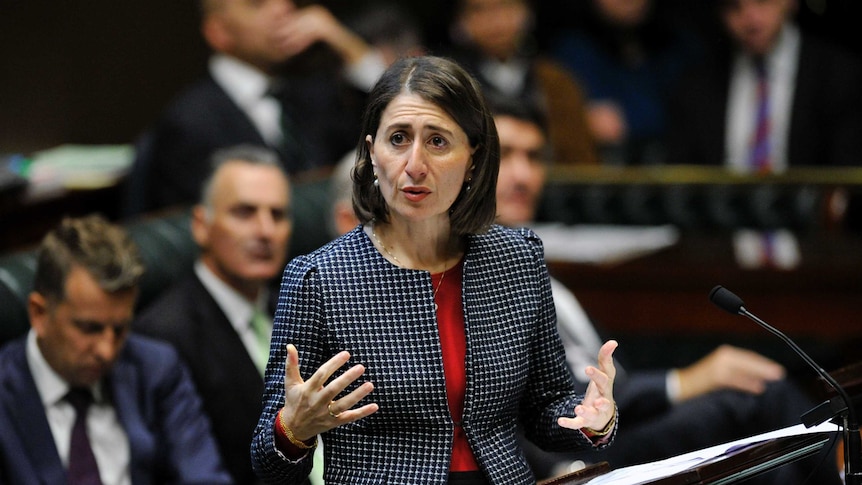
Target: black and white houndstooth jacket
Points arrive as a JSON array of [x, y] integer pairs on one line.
[[346, 296]]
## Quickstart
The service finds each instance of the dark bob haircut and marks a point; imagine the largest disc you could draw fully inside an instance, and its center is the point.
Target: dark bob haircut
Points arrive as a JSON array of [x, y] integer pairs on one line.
[[447, 85]]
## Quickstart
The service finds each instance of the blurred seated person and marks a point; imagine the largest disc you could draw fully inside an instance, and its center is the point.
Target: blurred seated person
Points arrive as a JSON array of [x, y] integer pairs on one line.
[[728, 394], [390, 32], [627, 55], [493, 40], [220, 317], [341, 216], [773, 98], [264, 86], [84, 401]]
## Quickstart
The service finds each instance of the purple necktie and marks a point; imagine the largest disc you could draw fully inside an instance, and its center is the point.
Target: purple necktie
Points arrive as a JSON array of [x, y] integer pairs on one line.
[[83, 469], [760, 142]]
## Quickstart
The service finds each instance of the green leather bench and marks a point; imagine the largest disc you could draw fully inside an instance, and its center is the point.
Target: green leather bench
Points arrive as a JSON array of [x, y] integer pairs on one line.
[[167, 249]]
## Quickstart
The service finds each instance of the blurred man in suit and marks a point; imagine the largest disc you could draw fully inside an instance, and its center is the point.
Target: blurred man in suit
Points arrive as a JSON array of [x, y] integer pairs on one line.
[[220, 318], [81, 399], [727, 394], [494, 40], [264, 86], [774, 98]]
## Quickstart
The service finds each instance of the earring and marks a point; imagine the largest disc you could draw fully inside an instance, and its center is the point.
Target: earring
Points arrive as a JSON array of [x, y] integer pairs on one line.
[[469, 183], [376, 182]]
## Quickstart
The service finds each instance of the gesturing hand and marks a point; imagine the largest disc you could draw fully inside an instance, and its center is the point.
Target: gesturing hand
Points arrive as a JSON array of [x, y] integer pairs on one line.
[[598, 407], [309, 408]]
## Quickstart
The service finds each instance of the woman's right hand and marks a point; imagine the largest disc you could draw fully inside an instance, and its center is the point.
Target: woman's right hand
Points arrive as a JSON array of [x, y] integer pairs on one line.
[[309, 406]]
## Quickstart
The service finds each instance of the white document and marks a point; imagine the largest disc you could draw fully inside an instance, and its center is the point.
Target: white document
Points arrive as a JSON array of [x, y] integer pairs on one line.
[[646, 472], [587, 243]]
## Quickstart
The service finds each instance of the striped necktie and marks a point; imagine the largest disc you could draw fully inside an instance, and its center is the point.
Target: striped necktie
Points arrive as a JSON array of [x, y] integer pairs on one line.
[[760, 149]]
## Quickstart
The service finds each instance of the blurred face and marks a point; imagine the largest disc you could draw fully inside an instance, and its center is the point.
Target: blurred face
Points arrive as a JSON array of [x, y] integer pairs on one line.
[[82, 336], [243, 235], [623, 12], [496, 26], [421, 157], [253, 30], [755, 24], [522, 170]]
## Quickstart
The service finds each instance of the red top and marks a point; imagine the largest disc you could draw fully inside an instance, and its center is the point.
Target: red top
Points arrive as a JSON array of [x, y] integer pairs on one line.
[[453, 342], [450, 323]]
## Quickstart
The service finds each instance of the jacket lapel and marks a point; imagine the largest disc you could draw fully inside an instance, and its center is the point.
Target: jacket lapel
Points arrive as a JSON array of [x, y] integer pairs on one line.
[[220, 334], [21, 401], [125, 391]]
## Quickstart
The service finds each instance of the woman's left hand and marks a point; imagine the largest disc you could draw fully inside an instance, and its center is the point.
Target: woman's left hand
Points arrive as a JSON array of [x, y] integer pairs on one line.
[[598, 407]]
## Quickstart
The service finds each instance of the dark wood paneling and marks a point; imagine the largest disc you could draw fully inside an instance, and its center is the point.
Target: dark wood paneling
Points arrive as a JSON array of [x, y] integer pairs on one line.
[[665, 294]]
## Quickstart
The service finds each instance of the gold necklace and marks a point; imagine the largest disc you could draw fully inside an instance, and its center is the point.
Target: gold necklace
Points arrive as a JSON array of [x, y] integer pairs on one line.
[[398, 262], [439, 284], [380, 243]]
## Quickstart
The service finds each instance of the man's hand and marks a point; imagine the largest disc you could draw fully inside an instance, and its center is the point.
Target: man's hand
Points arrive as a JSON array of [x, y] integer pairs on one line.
[[728, 367]]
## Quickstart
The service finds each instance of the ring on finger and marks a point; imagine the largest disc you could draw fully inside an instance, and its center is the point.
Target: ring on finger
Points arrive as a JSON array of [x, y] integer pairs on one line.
[[329, 408]]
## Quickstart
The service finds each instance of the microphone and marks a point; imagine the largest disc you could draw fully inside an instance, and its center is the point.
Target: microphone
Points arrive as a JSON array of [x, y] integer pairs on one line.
[[729, 302]]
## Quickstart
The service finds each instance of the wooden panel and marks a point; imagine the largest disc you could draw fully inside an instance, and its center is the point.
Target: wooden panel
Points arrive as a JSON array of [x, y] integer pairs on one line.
[[666, 293]]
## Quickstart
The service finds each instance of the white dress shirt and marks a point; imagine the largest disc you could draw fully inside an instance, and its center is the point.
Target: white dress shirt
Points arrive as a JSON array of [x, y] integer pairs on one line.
[[508, 77], [364, 73], [236, 308], [781, 64], [582, 342], [248, 87], [107, 437]]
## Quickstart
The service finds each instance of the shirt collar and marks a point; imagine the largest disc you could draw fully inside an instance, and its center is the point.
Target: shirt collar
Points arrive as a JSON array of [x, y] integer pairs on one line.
[[782, 55], [236, 307], [51, 386], [244, 83], [786, 49]]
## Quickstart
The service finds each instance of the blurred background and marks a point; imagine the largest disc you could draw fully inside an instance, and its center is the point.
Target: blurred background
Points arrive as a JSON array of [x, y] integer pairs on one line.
[[98, 71], [94, 74]]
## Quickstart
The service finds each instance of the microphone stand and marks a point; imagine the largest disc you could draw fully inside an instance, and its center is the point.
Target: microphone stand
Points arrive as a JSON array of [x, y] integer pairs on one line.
[[850, 424]]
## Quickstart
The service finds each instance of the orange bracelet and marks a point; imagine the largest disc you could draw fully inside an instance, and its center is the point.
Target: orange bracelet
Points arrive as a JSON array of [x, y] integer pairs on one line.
[[290, 437]]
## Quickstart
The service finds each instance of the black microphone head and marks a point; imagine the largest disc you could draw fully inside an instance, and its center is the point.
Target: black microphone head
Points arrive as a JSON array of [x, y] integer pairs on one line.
[[726, 300]]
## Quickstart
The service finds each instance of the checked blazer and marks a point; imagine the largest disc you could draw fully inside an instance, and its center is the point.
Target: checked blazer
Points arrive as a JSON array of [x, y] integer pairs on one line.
[[346, 296]]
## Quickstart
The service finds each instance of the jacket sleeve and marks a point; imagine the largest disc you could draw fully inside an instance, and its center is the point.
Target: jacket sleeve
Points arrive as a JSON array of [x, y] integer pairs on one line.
[[551, 389], [298, 318], [189, 444]]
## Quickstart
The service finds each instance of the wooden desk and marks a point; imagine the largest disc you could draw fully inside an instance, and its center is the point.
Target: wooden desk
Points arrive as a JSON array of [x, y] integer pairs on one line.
[[729, 467], [704, 198], [665, 294]]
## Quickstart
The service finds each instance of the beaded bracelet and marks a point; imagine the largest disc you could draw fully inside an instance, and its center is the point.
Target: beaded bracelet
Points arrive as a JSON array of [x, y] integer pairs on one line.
[[290, 437]]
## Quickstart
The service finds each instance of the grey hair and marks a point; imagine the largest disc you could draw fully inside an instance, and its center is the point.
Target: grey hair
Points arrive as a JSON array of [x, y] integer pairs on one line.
[[245, 153]]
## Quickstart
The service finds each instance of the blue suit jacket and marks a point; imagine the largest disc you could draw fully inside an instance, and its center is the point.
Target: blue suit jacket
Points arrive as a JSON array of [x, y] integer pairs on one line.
[[346, 296], [169, 436]]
